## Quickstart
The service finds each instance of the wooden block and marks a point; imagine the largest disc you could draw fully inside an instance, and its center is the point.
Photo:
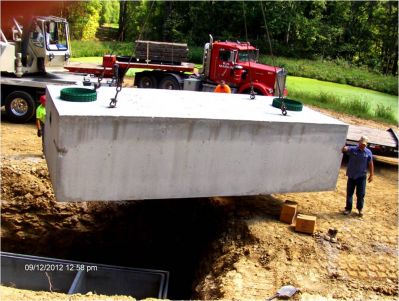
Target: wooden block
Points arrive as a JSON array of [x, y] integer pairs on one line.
[[288, 212], [305, 223]]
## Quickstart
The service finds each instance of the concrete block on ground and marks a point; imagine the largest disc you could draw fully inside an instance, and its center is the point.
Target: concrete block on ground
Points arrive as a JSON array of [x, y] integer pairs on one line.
[[181, 144]]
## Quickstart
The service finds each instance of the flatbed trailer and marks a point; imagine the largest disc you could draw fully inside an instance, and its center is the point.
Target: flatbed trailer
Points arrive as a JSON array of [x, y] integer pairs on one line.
[[384, 143], [123, 64]]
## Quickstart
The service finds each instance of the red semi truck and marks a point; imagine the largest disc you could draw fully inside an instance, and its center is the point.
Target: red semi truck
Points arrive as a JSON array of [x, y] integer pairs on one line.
[[234, 62]]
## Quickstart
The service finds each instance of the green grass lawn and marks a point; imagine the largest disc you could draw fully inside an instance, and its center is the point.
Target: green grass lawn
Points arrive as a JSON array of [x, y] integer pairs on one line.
[[370, 104], [345, 91]]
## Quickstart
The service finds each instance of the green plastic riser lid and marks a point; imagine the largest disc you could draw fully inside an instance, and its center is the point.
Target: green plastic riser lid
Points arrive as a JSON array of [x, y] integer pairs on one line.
[[78, 94], [291, 105]]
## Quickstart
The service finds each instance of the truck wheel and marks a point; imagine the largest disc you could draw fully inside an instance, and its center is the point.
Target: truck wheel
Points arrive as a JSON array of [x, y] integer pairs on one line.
[[20, 106], [169, 82], [147, 81]]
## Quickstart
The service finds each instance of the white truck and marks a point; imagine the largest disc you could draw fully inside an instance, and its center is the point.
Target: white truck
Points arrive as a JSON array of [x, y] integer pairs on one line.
[[30, 59]]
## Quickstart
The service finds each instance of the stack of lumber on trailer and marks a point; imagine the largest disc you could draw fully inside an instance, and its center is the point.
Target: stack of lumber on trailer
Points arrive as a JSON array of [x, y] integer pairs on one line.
[[161, 51]]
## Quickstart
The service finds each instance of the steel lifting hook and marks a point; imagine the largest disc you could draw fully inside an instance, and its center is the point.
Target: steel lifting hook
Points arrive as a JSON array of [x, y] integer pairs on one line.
[[283, 109], [252, 93], [112, 104]]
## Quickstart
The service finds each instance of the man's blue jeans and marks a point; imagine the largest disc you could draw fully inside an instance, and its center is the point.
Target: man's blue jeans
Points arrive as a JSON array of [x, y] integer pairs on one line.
[[360, 185]]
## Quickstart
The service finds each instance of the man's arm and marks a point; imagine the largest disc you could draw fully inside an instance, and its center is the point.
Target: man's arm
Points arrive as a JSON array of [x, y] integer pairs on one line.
[[345, 149], [39, 128], [371, 169]]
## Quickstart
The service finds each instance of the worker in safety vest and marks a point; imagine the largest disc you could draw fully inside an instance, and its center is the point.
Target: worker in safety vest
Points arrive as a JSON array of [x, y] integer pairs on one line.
[[41, 118], [222, 88]]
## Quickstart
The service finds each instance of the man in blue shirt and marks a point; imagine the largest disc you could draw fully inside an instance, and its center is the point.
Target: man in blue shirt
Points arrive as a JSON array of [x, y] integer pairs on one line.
[[360, 158]]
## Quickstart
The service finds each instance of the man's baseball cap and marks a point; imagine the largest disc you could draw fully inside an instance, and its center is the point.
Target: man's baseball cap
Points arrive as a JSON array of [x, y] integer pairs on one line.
[[43, 99], [363, 140]]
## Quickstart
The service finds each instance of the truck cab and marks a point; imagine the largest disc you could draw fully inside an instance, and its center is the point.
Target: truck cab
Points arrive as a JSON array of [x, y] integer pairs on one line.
[[49, 42], [237, 64], [38, 47]]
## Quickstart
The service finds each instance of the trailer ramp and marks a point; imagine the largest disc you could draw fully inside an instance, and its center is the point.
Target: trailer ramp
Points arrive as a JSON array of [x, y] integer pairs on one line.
[[381, 142]]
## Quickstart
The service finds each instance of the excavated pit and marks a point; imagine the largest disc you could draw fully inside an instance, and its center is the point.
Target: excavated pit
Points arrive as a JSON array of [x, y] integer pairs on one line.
[[182, 236], [244, 251]]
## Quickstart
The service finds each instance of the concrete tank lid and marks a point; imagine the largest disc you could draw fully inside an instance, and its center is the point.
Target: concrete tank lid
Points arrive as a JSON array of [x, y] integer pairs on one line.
[[157, 103]]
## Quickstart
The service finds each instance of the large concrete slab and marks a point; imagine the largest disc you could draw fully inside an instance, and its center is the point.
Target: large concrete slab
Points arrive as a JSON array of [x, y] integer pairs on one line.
[[181, 144]]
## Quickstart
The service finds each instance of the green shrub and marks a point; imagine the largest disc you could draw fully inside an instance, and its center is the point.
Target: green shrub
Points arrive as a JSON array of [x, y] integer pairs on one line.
[[84, 18], [195, 55]]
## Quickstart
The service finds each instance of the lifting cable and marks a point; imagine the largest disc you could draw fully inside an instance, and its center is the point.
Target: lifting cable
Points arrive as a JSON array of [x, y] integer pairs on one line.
[[119, 79], [283, 106], [252, 92], [116, 68]]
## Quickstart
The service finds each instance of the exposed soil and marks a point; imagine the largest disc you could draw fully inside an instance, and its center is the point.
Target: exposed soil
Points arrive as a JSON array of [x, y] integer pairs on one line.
[[214, 248]]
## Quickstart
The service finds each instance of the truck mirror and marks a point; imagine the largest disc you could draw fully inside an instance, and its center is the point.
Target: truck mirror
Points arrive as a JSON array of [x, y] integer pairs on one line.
[[233, 56]]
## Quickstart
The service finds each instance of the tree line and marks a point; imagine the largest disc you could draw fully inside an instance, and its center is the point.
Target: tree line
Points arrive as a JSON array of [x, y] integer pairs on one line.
[[364, 33]]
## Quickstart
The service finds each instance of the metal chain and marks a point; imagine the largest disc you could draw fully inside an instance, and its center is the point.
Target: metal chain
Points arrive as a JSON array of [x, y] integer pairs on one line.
[[283, 107], [100, 78], [114, 79], [114, 100], [120, 77], [119, 82], [252, 92]]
